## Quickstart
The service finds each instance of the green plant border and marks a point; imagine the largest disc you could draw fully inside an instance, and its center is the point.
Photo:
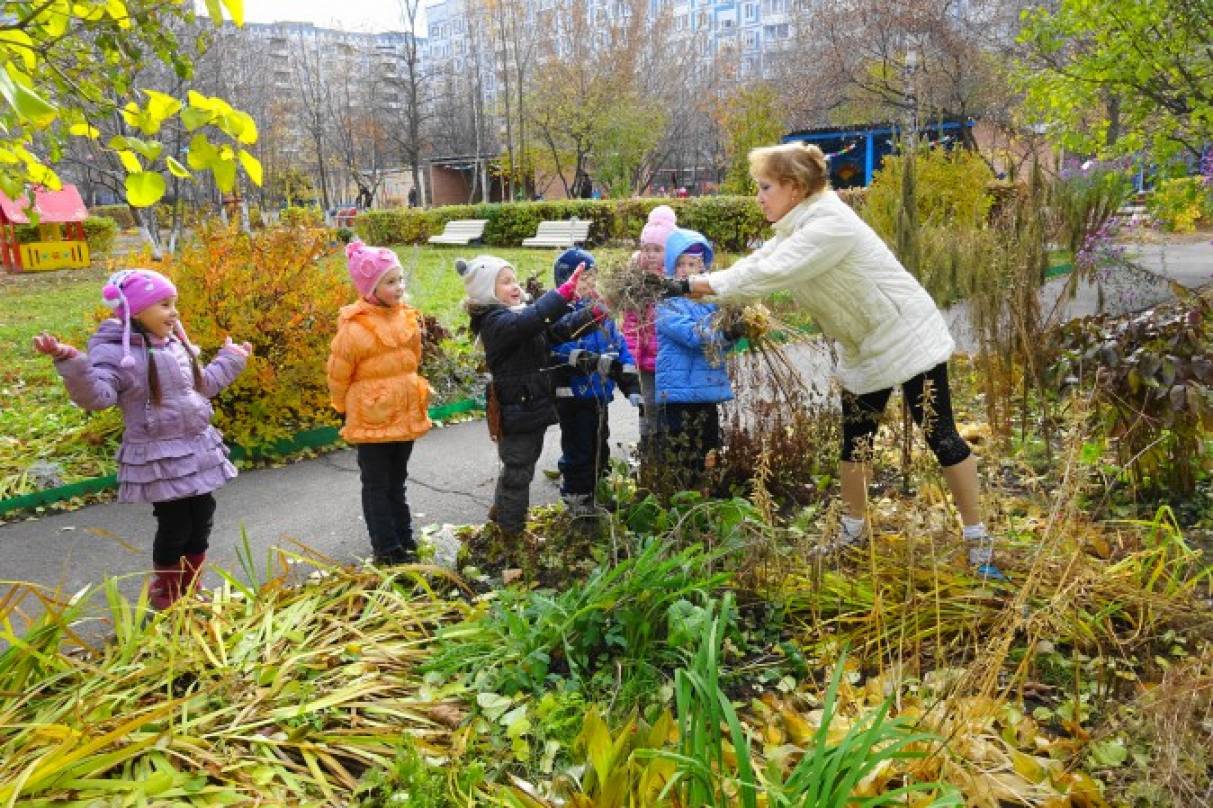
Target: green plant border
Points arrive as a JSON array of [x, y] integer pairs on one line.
[[308, 439]]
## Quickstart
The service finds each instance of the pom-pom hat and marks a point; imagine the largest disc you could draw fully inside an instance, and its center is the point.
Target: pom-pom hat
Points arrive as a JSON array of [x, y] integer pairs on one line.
[[661, 223], [480, 277], [128, 292]]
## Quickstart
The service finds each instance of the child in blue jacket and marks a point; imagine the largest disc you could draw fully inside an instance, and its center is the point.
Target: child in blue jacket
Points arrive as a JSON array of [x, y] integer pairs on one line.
[[689, 385], [590, 365]]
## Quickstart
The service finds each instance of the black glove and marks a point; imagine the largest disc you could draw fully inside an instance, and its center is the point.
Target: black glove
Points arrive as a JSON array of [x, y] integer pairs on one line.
[[583, 361], [676, 287], [734, 332]]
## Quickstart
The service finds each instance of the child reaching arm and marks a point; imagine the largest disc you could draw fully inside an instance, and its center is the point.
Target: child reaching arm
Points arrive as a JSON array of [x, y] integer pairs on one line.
[[170, 456], [517, 340]]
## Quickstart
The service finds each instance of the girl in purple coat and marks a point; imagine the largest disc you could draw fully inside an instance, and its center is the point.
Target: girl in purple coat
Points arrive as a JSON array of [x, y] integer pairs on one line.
[[171, 455]]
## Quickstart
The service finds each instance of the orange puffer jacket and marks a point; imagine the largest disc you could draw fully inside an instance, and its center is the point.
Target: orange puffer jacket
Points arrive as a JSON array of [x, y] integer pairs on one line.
[[372, 373]]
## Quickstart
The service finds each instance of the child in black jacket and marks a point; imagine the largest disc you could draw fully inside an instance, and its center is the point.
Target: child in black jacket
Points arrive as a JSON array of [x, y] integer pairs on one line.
[[518, 340]]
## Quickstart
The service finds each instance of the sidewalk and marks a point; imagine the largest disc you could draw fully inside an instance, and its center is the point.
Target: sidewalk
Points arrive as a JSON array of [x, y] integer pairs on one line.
[[453, 471]]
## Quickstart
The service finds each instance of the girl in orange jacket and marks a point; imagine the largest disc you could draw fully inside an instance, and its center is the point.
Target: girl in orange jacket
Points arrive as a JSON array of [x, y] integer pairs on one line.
[[373, 381]]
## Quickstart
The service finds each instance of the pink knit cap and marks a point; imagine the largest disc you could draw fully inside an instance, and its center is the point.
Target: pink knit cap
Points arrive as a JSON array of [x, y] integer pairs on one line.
[[368, 265], [128, 292], [662, 222]]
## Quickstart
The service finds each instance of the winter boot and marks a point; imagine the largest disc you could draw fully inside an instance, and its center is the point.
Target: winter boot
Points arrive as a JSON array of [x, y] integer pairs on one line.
[[191, 581], [166, 588]]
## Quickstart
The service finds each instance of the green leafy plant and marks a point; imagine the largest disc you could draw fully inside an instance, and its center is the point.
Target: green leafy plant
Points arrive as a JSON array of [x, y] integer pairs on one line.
[[617, 620], [1151, 376]]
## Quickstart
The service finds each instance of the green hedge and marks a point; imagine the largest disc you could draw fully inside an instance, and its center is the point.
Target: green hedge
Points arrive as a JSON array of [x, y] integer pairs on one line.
[[730, 222], [99, 232], [119, 213]]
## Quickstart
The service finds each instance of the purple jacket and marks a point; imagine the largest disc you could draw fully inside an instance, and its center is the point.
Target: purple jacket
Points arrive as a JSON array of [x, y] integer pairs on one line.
[[170, 450]]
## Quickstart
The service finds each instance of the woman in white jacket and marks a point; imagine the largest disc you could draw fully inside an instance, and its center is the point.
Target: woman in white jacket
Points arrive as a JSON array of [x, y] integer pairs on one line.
[[888, 329]]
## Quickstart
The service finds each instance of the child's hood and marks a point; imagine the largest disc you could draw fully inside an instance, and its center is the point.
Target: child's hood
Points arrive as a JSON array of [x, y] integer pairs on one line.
[[391, 325], [677, 244]]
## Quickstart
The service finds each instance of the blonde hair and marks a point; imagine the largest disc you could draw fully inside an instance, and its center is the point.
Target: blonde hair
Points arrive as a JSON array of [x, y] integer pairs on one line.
[[800, 164]]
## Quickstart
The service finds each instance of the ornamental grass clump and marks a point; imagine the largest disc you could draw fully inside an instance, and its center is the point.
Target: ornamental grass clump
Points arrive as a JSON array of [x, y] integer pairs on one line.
[[272, 693]]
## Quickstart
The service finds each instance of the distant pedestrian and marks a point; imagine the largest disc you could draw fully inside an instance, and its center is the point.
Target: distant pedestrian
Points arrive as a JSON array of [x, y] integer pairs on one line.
[[373, 380], [171, 456], [413, 196]]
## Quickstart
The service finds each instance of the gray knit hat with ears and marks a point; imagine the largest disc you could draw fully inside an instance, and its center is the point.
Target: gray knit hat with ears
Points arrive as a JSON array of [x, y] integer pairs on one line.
[[480, 277]]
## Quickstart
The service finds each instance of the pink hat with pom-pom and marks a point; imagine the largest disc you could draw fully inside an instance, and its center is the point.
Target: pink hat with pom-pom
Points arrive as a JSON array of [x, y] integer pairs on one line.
[[128, 292], [368, 265], [661, 223]]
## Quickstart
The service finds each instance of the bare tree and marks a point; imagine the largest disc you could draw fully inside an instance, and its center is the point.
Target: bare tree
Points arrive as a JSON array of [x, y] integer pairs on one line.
[[411, 84], [314, 97]]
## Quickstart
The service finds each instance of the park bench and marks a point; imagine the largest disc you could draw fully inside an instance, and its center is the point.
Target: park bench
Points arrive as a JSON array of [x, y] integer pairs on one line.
[[567, 233], [461, 231]]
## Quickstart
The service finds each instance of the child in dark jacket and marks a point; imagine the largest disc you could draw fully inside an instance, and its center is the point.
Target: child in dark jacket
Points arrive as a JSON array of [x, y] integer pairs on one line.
[[517, 340], [689, 384], [591, 364]]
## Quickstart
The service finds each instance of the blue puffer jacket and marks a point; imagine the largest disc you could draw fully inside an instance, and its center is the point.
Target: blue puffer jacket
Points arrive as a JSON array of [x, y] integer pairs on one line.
[[598, 339], [684, 374]]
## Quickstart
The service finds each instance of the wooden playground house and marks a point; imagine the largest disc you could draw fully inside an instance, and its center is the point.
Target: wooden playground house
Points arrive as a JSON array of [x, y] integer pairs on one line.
[[61, 241]]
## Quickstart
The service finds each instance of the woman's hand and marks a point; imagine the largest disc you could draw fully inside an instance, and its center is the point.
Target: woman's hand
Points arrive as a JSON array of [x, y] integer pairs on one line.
[[700, 286], [244, 350], [44, 343]]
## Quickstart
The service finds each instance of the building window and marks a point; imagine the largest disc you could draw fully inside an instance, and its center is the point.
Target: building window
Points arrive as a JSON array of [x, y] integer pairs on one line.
[[751, 12], [751, 40]]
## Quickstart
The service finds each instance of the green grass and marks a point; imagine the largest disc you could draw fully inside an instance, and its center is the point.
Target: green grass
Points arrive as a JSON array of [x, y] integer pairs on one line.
[[37, 420]]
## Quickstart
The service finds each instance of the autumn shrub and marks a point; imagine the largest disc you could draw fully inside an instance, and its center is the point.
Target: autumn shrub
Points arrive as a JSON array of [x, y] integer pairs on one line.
[[953, 202], [1179, 204], [1152, 383], [302, 217], [100, 232], [272, 289]]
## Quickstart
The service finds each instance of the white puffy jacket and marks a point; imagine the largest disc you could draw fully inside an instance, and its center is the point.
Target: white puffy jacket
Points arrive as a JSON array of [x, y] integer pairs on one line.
[[887, 327]]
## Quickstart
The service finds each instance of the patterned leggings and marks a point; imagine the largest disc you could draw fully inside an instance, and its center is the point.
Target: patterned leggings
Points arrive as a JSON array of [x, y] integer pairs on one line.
[[930, 405]]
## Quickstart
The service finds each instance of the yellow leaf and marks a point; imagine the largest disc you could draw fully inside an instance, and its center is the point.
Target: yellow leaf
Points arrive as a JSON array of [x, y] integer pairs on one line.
[[84, 130], [117, 10], [252, 167], [20, 43], [235, 8], [798, 729], [130, 161]]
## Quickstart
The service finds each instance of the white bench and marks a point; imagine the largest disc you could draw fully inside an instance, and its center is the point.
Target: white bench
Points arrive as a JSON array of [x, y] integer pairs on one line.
[[461, 231], [568, 233]]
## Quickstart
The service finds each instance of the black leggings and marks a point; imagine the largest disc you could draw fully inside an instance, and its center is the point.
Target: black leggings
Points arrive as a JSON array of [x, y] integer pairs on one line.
[[183, 527], [861, 417]]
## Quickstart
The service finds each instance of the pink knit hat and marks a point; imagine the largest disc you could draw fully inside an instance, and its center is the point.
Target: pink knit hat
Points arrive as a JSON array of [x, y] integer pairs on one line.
[[662, 222], [368, 265], [128, 292]]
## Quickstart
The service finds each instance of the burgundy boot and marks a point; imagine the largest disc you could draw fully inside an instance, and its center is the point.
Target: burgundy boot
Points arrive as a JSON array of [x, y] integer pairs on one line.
[[191, 581], [166, 589]]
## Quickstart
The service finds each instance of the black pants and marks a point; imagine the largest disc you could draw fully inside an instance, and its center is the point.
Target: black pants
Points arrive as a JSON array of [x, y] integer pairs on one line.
[[688, 433], [183, 527], [385, 467], [930, 403], [583, 444], [518, 452]]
